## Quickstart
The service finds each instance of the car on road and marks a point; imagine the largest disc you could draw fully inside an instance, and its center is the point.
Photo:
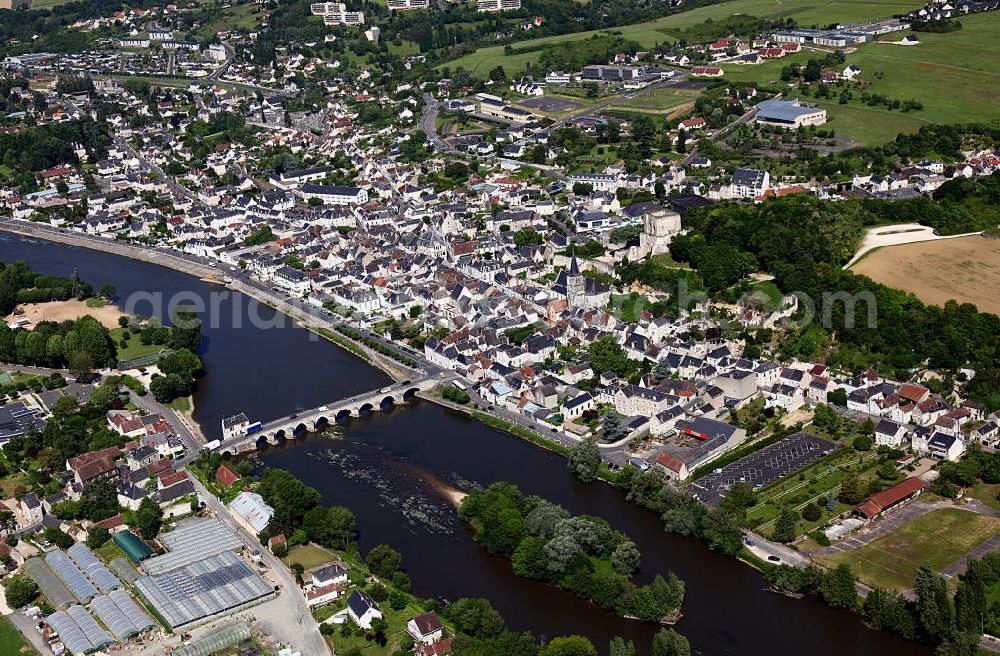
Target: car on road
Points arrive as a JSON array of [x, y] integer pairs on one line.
[[774, 559], [750, 543]]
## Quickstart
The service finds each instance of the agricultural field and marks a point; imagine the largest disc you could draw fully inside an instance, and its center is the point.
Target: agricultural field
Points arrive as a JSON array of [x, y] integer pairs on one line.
[[939, 538], [966, 269], [652, 33]]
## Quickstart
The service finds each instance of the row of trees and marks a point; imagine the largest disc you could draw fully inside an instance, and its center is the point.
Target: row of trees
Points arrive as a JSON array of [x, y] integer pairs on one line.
[[19, 284], [544, 542]]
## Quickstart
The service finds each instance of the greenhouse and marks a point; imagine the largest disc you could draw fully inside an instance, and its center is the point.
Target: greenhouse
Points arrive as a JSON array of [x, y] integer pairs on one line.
[[93, 568], [124, 571], [190, 542], [133, 547], [112, 617], [140, 620], [54, 590], [225, 636], [204, 589], [79, 631], [72, 576]]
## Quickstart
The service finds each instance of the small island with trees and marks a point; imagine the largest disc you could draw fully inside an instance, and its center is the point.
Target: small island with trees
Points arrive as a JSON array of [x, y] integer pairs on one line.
[[580, 554]]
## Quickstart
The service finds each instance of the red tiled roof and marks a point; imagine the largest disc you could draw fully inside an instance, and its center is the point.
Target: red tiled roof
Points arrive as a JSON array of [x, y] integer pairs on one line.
[[672, 463], [879, 501], [225, 475]]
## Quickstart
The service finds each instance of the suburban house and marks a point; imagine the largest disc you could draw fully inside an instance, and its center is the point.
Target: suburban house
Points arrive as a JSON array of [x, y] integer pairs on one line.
[[889, 433], [425, 628], [362, 609], [329, 575]]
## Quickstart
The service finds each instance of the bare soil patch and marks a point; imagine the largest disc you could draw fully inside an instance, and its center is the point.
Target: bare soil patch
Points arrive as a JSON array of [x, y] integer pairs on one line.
[[966, 269], [63, 310]]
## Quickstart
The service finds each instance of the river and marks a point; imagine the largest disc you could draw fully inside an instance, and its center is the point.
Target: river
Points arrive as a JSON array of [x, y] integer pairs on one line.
[[387, 467]]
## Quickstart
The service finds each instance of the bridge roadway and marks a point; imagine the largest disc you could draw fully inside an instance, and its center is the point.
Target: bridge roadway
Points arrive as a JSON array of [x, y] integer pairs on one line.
[[318, 419]]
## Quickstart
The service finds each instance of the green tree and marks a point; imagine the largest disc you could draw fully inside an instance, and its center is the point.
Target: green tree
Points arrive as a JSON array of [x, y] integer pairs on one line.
[[529, 559], [626, 558], [149, 518], [837, 588], [97, 536], [935, 614], [667, 642], [20, 590], [573, 645], [383, 560], [185, 332], [619, 647], [584, 460], [606, 354], [721, 529], [785, 526], [475, 617]]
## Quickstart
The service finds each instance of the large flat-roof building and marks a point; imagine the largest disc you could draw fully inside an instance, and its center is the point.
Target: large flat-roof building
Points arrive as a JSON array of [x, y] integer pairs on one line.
[[788, 114]]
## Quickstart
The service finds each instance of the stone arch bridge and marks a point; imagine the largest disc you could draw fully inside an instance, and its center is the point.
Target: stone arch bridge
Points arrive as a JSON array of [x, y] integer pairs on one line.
[[318, 419]]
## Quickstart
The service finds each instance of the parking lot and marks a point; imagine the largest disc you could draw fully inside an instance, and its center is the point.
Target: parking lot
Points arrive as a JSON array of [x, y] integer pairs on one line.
[[763, 467]]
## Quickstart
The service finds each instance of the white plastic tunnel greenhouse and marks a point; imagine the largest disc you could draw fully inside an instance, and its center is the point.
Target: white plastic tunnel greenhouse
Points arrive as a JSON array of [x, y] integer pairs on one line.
[[226, 636]]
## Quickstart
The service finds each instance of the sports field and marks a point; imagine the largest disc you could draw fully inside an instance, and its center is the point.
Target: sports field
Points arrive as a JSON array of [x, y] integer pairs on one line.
[[966, 269], [651, 33], [938, 538]]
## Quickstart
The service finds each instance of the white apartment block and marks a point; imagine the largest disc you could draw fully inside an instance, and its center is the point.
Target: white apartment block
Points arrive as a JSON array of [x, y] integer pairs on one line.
[[405, 5], [498, 5], [335, 13]]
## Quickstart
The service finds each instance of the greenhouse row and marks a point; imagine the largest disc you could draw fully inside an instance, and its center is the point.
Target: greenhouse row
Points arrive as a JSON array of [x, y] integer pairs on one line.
[[79, 631], [122, 615]]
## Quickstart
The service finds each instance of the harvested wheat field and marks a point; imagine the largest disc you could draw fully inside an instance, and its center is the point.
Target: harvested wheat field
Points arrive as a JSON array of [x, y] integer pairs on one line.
[[966, 269]]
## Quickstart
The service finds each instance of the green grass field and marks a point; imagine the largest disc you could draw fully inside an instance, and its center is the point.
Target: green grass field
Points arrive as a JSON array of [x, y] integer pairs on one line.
[[11, 641], [955, 75], [651, 33], [307, 555], [135, 348], [939, 538], [659, 100]]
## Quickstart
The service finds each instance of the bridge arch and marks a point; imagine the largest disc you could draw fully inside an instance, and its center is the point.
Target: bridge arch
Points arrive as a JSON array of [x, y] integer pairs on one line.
[[387, 402], [409, 394], [343, 415], [261, 442], [365, 409], [321, 424], [300, 428]]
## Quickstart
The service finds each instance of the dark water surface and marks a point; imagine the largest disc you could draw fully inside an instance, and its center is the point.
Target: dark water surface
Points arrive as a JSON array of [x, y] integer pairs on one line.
[[387, 467]]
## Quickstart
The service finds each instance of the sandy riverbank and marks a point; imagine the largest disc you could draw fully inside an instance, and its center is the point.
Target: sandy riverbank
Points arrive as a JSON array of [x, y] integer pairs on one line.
[[64, 310]]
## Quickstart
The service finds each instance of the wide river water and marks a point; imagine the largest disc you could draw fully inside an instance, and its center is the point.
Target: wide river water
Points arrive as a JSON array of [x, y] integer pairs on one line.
[[389, 468]]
